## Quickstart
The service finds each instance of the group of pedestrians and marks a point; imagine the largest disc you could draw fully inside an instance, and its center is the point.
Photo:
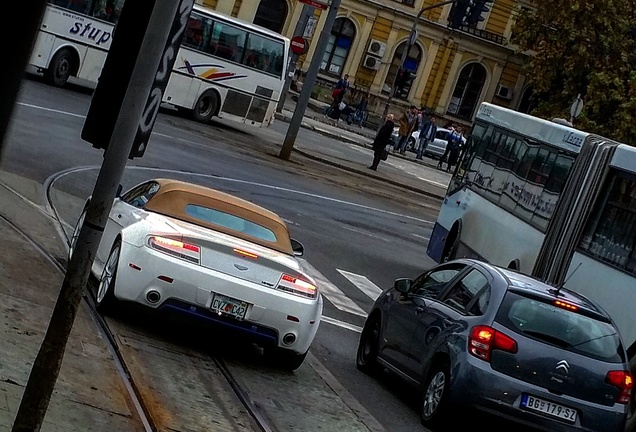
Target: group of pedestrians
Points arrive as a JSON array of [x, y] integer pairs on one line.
[[382, 143], [410, 121], [338, 106]]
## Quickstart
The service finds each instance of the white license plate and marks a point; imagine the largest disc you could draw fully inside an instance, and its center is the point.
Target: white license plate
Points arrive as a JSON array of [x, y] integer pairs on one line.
[[229, 306], [550, 408]]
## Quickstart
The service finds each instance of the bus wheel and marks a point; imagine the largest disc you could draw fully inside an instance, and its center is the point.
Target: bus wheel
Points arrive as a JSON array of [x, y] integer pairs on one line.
[[206, 107], [62, 66], [515, 264], [452, 242]]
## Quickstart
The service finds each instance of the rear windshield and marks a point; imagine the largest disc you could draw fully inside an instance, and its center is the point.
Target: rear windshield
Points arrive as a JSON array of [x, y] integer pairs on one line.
[[560, 327], [230, 221]]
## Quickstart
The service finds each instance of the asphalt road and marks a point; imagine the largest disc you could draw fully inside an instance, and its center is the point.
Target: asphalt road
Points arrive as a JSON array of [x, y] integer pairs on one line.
[[352, 227]]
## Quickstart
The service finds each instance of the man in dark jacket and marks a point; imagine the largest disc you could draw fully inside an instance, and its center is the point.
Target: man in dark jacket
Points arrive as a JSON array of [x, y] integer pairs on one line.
[[382, 139]]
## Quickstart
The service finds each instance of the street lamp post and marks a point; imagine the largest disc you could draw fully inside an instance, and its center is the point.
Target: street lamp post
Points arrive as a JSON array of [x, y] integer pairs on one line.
[[412, 37]]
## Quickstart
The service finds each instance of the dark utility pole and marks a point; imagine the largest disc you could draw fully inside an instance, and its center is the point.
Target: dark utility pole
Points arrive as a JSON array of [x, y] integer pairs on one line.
[[412, 38], [310, 79], [46, 367]]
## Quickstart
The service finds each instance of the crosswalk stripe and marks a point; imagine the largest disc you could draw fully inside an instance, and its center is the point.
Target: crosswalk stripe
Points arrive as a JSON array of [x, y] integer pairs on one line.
[[363, 284], [341, 324], [333, 293]]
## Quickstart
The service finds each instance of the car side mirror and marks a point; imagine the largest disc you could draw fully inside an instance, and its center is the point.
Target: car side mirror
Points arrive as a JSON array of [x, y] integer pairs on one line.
[[297, 247], [120, 188], [403, 285]]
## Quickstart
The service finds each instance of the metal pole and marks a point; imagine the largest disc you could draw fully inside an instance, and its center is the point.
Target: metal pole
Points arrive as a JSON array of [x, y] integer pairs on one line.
[[46, 368], [405, 52], [17, 54], [298, 31], [310, 79]]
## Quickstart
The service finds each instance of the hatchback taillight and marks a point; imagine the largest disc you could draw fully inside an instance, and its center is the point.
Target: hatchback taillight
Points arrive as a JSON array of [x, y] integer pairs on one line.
[[483, 340], [623, 380]]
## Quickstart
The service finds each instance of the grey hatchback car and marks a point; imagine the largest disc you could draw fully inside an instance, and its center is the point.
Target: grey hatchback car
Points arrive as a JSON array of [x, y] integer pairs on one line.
[[473, 334]]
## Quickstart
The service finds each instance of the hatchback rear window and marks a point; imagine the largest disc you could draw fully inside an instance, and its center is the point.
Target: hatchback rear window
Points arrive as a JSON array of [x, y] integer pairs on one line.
[[566, 329], [230, 221]]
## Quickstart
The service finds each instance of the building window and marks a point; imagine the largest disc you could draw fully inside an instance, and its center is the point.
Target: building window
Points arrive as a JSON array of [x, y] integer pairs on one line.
[[528, 101], [271, 14], [411, 63], [467, 91], [406, 2], [342, 34]]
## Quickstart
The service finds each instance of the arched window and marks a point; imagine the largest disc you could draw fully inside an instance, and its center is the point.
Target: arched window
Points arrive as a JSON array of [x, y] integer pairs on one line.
[[342, 34], [467, 91], [271, 14], [411, 63], [528, 101]]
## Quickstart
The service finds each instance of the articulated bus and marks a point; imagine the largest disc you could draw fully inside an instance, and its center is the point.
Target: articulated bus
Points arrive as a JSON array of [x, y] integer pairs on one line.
[[547, 200], [225, 67]]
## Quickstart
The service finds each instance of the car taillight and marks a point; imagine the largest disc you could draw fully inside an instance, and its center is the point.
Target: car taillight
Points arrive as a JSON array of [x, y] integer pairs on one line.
[[483, 340], [185, 251], [565, 305], [623, 380], [297, 286]]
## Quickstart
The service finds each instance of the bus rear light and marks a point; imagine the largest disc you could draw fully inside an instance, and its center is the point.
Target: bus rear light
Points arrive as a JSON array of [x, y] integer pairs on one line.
[[623, 380], [184, 251], [297, 286], [483, 340]]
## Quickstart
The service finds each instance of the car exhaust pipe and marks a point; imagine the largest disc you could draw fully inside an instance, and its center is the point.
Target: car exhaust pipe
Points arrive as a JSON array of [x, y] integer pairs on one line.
[[153, 296], [289, 338]]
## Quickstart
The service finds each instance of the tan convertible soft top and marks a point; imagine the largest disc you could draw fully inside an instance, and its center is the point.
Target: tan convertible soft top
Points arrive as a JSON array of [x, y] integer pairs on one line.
[[173, 196]]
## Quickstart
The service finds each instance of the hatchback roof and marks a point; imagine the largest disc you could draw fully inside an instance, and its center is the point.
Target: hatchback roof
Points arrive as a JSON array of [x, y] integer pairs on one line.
[[534, 286]]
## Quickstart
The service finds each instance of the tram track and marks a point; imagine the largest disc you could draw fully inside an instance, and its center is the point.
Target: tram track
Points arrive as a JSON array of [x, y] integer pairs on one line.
[[144, 411]]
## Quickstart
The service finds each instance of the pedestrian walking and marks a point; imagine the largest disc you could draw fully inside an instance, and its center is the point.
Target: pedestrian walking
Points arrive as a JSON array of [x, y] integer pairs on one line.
[[407, 125], [381, 143], [337, 95], [427, 134], [453, 147]]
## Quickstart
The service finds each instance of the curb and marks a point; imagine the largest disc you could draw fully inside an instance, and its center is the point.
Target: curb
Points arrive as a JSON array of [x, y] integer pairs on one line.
[[367, 174]]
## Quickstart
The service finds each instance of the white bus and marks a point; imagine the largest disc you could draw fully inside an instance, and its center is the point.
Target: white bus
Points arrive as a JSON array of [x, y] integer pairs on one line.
[[225, 67], [547, 200]]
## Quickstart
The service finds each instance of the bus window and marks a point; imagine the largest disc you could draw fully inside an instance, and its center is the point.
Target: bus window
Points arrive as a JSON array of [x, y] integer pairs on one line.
[[264, 54], [108, 10], [227, 42], [79, 6], [197, 34], [610, 235]]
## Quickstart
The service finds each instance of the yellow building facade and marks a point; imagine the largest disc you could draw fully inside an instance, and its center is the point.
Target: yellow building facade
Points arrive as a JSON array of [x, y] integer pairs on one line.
[[451, 70]]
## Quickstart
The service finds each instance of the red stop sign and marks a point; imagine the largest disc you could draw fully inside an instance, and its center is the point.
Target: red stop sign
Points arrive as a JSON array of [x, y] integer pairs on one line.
[[299, 45]]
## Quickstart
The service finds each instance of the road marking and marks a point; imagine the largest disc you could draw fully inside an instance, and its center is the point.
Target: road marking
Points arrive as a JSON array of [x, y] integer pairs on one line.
[[421, 236], [342, 324], [365, 233], [363, 284], [332, 292]]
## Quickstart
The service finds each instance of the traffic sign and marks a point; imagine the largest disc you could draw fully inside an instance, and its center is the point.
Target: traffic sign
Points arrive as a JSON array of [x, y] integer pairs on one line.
[[315, 4], [299, 45], [577, 107]]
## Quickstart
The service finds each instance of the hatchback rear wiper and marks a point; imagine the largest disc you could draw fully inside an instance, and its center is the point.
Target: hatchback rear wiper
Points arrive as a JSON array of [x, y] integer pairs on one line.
[[548, 338]]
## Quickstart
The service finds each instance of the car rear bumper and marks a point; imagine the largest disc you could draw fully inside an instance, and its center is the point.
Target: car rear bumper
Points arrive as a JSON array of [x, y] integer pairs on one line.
[[478, 385], [189, 289]]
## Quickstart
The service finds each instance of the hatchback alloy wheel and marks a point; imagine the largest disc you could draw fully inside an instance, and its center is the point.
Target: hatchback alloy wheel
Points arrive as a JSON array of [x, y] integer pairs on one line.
[[435, 395]]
